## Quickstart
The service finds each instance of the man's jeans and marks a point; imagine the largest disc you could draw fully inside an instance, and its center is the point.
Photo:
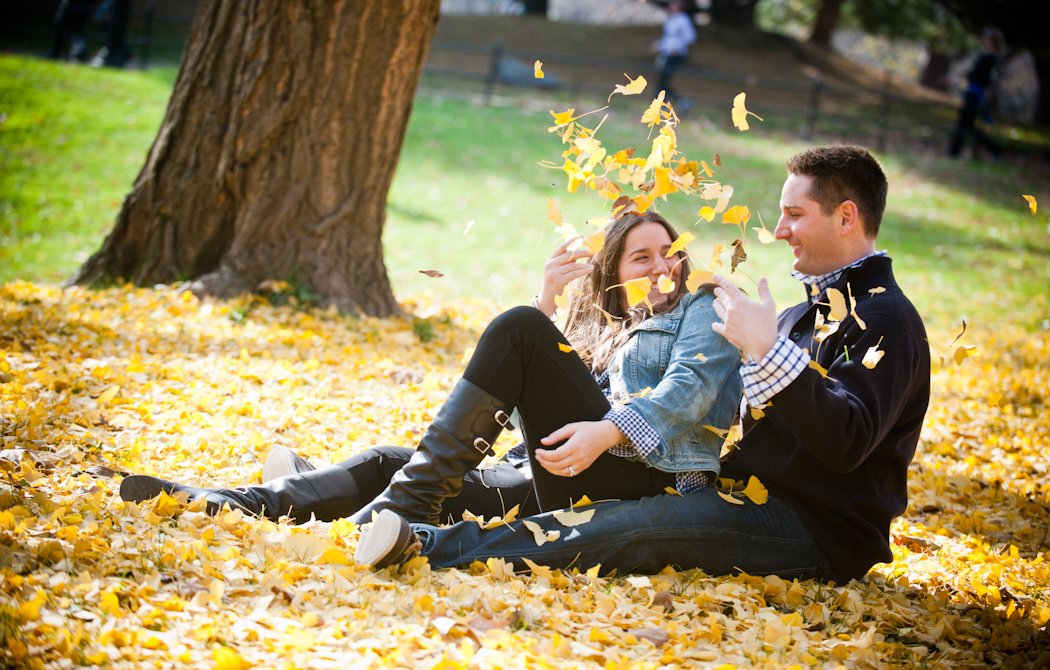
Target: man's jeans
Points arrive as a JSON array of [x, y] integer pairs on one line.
[[699, 530]]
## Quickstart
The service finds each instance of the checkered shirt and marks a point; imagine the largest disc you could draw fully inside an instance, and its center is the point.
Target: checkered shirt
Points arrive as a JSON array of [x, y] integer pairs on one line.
[[786, 360]]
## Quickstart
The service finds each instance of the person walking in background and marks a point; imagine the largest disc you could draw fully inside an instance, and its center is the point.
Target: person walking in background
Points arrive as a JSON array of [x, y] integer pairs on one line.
[[672, 48], [975, 99]]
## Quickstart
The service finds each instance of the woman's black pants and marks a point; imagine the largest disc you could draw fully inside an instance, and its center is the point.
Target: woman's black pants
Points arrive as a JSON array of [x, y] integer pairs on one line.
[[518, 361]]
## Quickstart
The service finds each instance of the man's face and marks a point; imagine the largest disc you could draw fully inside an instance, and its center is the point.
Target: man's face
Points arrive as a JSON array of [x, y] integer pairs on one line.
[[814, 237]]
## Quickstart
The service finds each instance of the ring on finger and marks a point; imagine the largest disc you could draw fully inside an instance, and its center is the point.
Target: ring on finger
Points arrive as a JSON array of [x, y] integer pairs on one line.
[[572, 473]]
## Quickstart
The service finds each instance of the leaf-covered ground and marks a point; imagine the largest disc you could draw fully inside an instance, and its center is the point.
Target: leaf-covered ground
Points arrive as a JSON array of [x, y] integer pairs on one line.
[[154, 381]]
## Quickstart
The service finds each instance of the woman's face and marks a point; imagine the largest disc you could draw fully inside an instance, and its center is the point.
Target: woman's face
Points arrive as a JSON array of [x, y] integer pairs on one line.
[[644, 256]]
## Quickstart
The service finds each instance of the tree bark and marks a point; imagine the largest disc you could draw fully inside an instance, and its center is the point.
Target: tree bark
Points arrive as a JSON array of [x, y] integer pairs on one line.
[[276, 153], [827, 18]]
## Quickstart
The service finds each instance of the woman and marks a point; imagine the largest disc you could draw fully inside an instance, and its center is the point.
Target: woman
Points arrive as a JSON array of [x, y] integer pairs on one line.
[[666, 373]]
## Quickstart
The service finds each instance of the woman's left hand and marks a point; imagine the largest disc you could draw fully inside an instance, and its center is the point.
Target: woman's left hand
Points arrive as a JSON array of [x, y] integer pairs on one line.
[[586, 441]]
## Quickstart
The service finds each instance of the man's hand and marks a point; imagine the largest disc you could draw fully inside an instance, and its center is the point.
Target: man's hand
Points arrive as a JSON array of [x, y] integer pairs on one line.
[[748, 325], [586, 441]]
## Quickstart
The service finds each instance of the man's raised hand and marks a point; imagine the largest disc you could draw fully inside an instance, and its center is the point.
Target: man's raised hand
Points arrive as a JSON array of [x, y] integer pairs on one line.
[[748, 325]]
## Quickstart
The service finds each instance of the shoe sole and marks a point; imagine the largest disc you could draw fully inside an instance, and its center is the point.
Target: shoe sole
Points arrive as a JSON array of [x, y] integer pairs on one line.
[[281, 462], [139, 488], [384, 542]]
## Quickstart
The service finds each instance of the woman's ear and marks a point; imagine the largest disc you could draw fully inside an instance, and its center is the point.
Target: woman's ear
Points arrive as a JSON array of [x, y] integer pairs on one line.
[[849, 217]]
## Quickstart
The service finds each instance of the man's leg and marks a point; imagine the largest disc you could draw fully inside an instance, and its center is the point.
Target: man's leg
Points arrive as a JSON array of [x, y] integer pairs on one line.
[[699, 530]]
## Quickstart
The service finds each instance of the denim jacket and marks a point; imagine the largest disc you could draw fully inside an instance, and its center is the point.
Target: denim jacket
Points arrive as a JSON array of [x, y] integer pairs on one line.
[[686, 393]]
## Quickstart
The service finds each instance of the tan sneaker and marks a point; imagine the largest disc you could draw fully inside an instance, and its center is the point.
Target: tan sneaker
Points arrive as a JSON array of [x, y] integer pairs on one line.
[[389, 541], [281, 462]]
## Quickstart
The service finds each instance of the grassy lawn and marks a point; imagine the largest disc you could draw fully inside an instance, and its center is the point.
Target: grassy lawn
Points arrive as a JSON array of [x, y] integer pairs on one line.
[[73, 139]]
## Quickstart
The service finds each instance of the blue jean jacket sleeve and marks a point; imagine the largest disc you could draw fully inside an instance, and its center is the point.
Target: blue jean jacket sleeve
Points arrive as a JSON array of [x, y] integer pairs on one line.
[[693, 376]]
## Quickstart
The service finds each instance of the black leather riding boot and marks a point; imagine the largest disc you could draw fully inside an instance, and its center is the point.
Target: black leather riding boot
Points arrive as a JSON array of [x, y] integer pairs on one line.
[[454, 444], [329, 493]]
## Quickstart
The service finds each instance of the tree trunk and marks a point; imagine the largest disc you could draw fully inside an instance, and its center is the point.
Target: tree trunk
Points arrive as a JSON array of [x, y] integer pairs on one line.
[[1042, 105], [827, 18], [276, 152]]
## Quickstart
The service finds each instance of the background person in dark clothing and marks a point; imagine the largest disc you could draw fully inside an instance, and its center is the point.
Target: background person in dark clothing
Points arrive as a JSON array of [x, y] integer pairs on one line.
[[975, 99]]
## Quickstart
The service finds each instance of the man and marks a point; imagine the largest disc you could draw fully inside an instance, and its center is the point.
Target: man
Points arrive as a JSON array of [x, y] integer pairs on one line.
[[672, 48], [831, 443]]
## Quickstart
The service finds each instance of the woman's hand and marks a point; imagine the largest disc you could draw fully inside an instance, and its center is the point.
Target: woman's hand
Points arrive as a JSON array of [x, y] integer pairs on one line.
[[561, 268], [587, 440]]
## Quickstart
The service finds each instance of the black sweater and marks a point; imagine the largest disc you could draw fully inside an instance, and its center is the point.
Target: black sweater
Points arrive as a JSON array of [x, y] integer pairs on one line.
[[837, 450]]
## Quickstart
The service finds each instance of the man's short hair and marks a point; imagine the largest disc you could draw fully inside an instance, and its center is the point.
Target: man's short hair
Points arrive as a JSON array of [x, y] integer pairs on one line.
[[841, 173]]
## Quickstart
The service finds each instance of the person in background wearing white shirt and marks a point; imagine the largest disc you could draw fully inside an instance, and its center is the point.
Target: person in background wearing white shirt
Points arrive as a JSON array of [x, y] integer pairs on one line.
[[672, 49]]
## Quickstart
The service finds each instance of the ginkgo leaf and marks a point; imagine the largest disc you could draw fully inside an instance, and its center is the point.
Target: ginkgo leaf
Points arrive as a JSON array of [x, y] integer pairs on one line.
[[706, 213], [757, 413], [570, 519], [993, 398], [541, 570], [717, 431], [820, 368], [964, 352], [563, 117], [467, 354], [716, 259], [729, 498], [723, 199], [756, 491], [561, 301], [642, 203], [553, 211], [872, 356], [663, 185], [679, 244], [1031, 202], [853, 309], [838, 305], [567, 231], [565, 348], [593, 572], [540, 536], [608, 317], [670, 490], [635, 87], [582, 502], [595, 242], [470, 224], [641, 394], [651, 116], [766, 237], [433, 274], [701, 358], [824, 330], [739, 255], [537, 69], [665, 284], [637, 290], [877, 289], [737, 215], [740, 112]]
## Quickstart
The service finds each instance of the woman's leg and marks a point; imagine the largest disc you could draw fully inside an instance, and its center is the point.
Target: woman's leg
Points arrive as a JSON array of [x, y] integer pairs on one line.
[[518, 361]]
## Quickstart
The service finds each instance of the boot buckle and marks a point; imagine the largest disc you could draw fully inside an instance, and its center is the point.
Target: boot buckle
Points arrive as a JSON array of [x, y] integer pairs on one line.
[[483, 447], [503, 420]]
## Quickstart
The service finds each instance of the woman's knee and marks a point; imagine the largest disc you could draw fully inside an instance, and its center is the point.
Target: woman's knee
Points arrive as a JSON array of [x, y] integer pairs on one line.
[[519, 319]]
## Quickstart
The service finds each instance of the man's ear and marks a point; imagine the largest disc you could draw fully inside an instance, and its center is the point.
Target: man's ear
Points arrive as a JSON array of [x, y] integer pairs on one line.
[[849, 217]]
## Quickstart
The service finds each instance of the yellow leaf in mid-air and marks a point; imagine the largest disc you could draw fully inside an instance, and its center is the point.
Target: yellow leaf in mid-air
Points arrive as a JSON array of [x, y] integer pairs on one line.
[[595, 242], [717, 431], [740, 112], [635, 87], [567, 231], [716, 259], [853, 309], [766, 237], [679, 244], [821, 369], [696, 278], [537, 69], [737, 215], [651, 116], [665, 284], [570, 519], [642, 203], [964, 352], [565, 348], [553, 211], [993, 398], [872, 356], [608, 317], [663, 184], [706, 213], [561, 301], [467, 353], [723, 199], [756, 491], [563, 117], [637, 290], [838, 305], [729, 498], [466, 230], [1031, 202]]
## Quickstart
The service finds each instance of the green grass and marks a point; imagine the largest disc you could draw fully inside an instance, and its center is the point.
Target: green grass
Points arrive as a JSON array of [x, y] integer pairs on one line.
[[963, 239]]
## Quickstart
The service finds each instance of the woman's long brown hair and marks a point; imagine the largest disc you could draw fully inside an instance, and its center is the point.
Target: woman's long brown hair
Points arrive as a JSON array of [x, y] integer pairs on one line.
[[586, 326]]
